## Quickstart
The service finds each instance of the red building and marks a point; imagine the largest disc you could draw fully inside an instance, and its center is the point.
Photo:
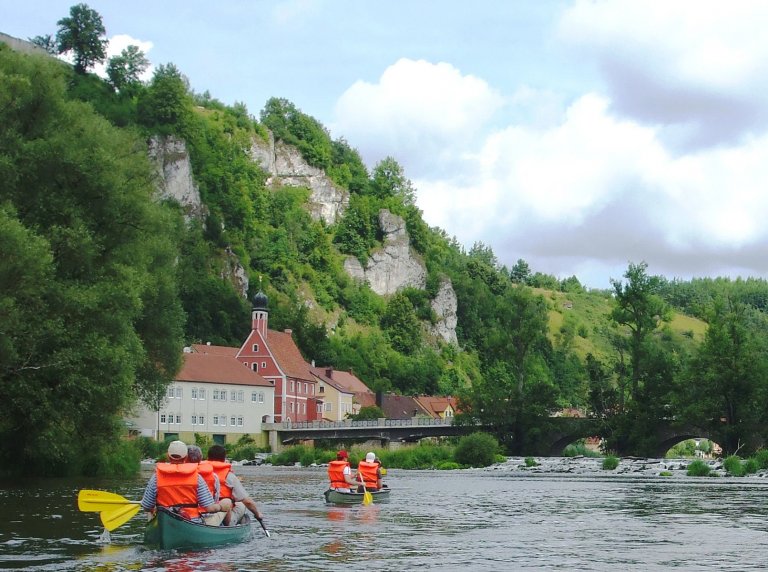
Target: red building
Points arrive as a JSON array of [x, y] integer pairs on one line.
[[276, 357]]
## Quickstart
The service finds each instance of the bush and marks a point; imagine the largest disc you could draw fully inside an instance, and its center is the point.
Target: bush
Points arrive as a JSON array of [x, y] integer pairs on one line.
[[762, 458], [665, 474], [751, 466], [448, 466], [698, 468], [733, 466], [610, 463], [476, 450], [531, 462]]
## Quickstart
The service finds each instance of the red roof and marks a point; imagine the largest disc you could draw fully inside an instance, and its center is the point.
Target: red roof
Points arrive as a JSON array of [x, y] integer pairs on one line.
[[401, 407], [436, 405], [214, 368], [288, 356], [216, 350], [321, 373], [349, 382]]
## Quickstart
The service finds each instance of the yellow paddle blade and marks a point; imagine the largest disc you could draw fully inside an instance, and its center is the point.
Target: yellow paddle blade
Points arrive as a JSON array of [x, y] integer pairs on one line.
[[97, 501], [111, 519], [367, 498]]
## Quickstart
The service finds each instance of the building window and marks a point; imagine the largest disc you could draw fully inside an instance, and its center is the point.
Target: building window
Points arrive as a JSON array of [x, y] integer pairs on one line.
[[304, 407], [201, 420], [170, 393], [322, 389], [255, 366], [201, 394], [329, 406], [255, 347], [233, 395], [261, 397], [240, 396], [291, 386], [162, 418], [232, 421], [178, 420], [319, 407], [245, 363], [313, 390], [193, 393], [263, 364], [253, 397], [239, 421], [291, 406], [215, 419], [215, 394], [306, 388], [194, 420], [178, 393]]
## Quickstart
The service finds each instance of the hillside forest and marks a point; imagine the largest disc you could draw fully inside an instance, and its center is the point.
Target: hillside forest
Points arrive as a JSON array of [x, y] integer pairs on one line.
[[102, 283]]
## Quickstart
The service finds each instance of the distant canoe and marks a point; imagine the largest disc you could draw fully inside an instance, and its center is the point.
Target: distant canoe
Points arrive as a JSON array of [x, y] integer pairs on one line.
[[169, 530], [337, 497]]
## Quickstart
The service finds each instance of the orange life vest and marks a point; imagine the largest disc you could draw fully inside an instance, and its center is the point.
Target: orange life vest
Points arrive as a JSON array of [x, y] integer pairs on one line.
[[222, 469], [177, 487], [336, 474], [205, 470], [370, 474]]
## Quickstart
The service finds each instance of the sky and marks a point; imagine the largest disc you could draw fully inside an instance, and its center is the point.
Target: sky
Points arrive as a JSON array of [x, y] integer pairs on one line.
[[579, 136]]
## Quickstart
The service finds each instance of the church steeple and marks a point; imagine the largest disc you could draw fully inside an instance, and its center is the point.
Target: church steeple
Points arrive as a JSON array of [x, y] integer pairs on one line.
[[260, 314]]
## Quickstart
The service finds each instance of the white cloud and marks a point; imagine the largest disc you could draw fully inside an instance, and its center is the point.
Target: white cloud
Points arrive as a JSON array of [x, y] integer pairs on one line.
[[418, 112]]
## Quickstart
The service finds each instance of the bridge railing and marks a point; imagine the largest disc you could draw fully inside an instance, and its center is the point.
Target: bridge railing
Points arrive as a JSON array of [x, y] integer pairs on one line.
[[349, 423]]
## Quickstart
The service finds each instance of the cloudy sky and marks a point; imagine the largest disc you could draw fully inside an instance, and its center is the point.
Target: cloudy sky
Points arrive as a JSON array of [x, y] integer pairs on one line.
[[578, 136]]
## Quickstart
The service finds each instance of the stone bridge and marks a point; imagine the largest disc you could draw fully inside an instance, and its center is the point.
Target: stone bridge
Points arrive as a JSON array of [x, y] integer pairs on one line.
[[561, 432]]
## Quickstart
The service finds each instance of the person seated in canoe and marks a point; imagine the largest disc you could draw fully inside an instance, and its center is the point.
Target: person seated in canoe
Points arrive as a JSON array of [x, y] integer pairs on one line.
[[340, 473], [178, 485], [205, 469], [230, 487], [368, 472]]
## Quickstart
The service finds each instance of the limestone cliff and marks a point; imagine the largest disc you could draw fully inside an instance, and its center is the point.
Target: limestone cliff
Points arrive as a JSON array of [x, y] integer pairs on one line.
[[287, 167], [445, 305]]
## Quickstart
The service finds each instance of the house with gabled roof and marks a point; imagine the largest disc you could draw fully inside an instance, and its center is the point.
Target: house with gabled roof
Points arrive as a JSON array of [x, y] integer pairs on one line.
[[335, 402], [276, 357], [438, 407], [362, 396], [401, 407], [213, 395]]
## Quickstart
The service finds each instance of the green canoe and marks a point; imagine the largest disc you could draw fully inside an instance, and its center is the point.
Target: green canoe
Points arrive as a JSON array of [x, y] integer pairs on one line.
[[169, 530], [337, 497]]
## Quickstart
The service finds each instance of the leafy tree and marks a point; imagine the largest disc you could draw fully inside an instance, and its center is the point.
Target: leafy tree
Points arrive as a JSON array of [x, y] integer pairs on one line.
[[47, 42], [389, 180], [727, 379], [641, 310], [166, 105], [88, 302], [521, 272], [124, 70], [401, 324], [369, 412], [81, 33]]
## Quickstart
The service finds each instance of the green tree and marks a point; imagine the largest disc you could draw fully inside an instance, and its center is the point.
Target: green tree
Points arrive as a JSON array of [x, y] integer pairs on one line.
[[521, 272], [81, 33], [88, 302], [727, 379], [47, 42], [124, 70], [389, 180], [166, 105], [640, 309], [401, 324]]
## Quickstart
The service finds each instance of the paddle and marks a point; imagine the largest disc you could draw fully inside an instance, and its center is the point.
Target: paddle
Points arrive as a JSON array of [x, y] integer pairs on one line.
[[98, 501], [115, 510], [367, 496], [261, 522]]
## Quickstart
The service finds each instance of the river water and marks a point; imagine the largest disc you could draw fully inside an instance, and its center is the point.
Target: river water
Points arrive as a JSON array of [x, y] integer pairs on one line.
[[449, 520]]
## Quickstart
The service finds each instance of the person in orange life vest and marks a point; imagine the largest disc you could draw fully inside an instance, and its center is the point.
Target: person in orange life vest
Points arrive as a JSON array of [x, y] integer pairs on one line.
[[205, 470], [340, 473], [231, 487], [178, 485], [369, 473]]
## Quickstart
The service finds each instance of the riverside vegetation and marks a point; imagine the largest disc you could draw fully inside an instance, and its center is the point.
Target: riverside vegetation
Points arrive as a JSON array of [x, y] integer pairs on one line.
[[107, 283]]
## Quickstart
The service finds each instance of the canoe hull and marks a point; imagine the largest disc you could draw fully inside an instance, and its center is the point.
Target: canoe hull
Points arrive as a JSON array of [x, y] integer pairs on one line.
[[168, 530], [337, 497]]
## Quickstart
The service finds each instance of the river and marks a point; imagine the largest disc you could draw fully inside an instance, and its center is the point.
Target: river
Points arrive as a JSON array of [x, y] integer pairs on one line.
[[449, 520]]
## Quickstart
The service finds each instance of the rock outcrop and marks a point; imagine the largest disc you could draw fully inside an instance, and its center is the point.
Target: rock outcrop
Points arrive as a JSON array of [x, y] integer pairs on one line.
[[174, 174], [445, 305], [287, 167], [394, 266]]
